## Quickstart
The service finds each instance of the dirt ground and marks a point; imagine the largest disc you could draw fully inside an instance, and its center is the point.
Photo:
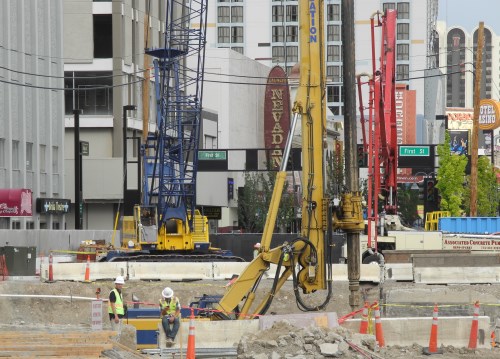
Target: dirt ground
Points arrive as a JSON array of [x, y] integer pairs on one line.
[[46, 309]]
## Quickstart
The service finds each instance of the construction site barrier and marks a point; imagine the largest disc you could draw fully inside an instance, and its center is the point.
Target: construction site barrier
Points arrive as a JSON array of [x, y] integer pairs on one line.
[[432, 219]]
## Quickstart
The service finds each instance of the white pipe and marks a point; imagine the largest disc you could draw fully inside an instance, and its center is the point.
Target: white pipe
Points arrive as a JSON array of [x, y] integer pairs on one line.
[[48, 296]]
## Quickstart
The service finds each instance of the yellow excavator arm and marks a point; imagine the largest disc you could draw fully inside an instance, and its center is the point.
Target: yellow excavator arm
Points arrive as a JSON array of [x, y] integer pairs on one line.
[[307, 252]]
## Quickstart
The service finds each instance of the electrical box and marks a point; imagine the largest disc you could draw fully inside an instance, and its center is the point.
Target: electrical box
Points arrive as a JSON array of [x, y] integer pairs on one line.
[[21, 261]]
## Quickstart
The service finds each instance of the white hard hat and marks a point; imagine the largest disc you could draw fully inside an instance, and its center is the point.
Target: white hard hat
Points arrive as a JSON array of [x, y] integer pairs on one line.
[[257, 245], [119, 280], [167, 292]]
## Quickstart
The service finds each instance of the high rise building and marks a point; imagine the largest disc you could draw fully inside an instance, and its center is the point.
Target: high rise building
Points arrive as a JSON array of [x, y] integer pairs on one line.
[[32, 186]]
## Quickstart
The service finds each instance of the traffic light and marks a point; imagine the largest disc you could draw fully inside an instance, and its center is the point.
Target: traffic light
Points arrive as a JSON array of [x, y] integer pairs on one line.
[[362, 156], [430, 190]]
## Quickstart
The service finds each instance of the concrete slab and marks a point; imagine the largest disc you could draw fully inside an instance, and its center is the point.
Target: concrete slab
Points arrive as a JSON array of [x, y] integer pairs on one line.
[[399, 271], [453, 331], [169, 271], [211, 334], [76, 271], [450, 275], [320, 319]]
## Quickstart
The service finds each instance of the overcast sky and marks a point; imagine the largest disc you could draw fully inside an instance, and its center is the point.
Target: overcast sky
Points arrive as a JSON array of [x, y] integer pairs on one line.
[[468, 13]]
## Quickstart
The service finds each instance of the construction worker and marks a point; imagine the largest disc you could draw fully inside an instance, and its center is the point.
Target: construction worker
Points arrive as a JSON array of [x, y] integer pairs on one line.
[[116, 308], [170, 313]]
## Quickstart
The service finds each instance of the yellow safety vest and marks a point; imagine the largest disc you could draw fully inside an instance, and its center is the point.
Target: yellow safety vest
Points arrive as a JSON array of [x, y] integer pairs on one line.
[[118, 304], [171, 307]]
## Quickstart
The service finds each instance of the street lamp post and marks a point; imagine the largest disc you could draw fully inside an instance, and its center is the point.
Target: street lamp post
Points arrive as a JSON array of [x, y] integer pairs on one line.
[[78, 172], [125, 109]]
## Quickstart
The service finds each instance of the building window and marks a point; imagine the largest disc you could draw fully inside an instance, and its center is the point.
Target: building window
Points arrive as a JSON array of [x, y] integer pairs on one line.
[[210, 142], [333, 33], [403, 31], [55, 225], [278, 34], [334, 73], [291, 13], [16, 225], [292, 34], [277, 13], [29, 156], [55, 161], [103, 36], [404, 10], [15, 155], [30, 225], [223, 14], [333, 94], [402, 72], [333, 12], [279, 54], [2, 153], [43, 162], [292, 53], [403, 52], [238, 49], [89, 95], [333, 53], [336, 110], [236, 34], [224, 35], [237, 14], [388, 5]]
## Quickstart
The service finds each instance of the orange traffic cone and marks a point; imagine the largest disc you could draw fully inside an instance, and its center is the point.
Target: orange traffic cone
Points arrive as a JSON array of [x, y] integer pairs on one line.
[[493, 339], [379, 333], [87, 270], [51, 270], [190, 352], [433, 349], [363, 328], [474, 327]]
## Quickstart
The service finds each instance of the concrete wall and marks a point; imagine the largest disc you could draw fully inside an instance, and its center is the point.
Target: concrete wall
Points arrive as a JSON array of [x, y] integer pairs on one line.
[[46, 240]]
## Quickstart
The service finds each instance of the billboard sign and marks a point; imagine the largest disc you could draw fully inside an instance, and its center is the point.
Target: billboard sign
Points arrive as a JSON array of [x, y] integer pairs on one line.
[[16, 202], [276, 115], [459, 142], [489, 114]]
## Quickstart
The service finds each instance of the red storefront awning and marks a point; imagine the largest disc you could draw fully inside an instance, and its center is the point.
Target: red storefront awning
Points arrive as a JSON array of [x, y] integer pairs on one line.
[[16, 202]]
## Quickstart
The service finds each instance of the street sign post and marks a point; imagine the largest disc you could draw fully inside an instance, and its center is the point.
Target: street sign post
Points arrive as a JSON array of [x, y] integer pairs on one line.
[[423, 151]]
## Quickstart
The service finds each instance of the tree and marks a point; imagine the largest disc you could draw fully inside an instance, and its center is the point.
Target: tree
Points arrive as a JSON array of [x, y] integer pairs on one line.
[[253, 203], [487, 191], [450, 178], [407, 203]]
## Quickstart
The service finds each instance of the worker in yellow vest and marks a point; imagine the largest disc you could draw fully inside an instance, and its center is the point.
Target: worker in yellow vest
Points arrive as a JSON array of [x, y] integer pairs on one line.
[[116, 308], [170, 313]]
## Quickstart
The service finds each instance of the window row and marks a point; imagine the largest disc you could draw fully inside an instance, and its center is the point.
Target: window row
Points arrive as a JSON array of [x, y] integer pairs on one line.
[[403, 9], [229, 14], [292, 13], [292, 33], [230, 35], [282, 54], [30, 166]]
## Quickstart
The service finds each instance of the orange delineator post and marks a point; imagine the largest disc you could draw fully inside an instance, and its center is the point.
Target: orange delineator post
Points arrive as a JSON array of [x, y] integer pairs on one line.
[[51, 270], [493, 339], [191, 352], [87, 269], [474, 327], [363, 328], [379, 333], [433, 349]]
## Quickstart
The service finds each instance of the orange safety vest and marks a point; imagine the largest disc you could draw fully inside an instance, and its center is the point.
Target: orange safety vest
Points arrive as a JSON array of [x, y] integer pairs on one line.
[[171, 307]]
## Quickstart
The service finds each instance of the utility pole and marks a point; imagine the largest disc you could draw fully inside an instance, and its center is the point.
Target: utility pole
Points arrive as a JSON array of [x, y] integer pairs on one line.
[[350, 139], [475, 120], [78, 172]]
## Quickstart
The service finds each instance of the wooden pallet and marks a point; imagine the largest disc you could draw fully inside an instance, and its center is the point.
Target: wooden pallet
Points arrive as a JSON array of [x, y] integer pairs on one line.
[[26, 344]]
